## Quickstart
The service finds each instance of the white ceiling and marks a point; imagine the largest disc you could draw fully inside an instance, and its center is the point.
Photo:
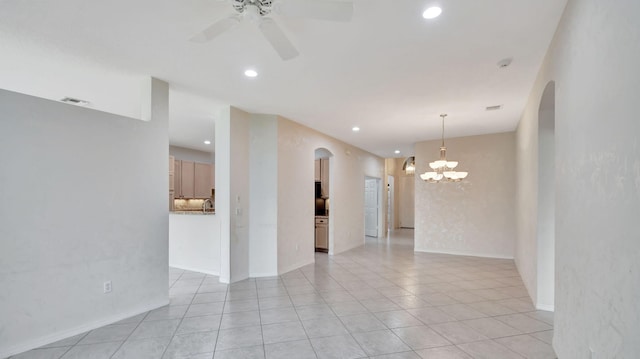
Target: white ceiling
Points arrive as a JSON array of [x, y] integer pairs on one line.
[[389, 71]]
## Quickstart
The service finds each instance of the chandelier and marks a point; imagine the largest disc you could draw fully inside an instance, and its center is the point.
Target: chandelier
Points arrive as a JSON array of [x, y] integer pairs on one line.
[[409, 166], [443, 170]]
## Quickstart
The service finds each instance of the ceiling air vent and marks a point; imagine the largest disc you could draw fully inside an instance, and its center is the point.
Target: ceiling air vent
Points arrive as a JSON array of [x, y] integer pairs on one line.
[[75, 101], [494, 108]]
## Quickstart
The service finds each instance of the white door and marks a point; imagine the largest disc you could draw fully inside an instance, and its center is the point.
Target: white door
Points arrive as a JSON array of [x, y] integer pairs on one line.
[[371, 204], [406, 202], [390, 186]]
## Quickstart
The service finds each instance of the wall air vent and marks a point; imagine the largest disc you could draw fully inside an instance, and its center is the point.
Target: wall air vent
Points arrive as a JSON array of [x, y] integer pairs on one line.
[[75, 101], [494, 108]]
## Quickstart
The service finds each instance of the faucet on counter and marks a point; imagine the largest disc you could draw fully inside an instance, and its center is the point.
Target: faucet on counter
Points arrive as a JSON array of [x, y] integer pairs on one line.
[[204, 205]]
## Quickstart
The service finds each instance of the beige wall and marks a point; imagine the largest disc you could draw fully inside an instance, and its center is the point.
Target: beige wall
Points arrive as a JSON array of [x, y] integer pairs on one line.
[[348, 168], [473, 217], [593, 61], [394, 168]]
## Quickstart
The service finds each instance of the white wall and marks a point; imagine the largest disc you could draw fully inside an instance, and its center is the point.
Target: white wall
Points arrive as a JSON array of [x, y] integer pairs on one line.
[[44, 71], [546, 201], [349, 166], [194, 242], [83, 201], [263, 244], [232, 192], [223, 189], [240, 193], [473, 217], [526, 247], [594, 63]]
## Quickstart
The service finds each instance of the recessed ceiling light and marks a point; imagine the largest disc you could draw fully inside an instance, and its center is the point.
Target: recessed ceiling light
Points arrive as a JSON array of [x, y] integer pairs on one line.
[[355, 129], [432, 12], [396, 152], [207, 142], [251, 73]]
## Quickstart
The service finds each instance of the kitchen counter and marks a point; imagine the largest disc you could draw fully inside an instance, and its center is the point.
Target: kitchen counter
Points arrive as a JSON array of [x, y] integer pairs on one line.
[[194, 213]]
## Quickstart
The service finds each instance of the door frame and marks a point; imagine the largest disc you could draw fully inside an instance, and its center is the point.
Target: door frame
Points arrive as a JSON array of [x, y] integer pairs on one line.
[[380, 208]]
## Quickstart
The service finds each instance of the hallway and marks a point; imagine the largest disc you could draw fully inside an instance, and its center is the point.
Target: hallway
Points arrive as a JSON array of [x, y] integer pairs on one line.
[[380, 300]]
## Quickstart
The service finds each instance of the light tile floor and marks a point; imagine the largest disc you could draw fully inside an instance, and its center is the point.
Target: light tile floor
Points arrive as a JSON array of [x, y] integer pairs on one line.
[[381, 300]]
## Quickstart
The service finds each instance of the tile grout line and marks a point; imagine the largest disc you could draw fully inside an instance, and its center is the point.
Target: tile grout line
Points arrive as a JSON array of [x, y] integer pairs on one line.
[[183, 316]]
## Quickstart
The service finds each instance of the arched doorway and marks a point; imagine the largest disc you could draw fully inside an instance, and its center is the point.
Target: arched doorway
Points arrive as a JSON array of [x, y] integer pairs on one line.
[[323, 241], [546, 200]]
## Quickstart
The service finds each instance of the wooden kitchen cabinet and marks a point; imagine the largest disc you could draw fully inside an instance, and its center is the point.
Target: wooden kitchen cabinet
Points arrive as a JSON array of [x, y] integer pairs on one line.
[[184, 180], [322, 234], [203, 180], [177, 178], [317, 171], [192, 179], [172, 184], [324, 176]]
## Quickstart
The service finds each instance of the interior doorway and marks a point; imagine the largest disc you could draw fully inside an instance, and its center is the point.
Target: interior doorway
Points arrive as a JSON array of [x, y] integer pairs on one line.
[[371, 206], [323, 241], [390, 199], [546, 200]]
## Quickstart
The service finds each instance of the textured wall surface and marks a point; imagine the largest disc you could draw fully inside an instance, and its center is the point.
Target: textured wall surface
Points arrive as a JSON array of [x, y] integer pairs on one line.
[[263, 244], [473, 217], [594, 63], [84, 201], [348, 168], [526, 252]]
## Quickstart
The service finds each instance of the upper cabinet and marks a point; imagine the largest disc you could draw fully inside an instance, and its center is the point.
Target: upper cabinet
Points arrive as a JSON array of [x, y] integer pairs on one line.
[[193, 179], [322, 175], [172, 184], [317, 171], [187, 177], [203, 181]]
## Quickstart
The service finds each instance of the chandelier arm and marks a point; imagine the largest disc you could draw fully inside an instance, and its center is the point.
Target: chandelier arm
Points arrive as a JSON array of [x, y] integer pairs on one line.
[[443, 116]]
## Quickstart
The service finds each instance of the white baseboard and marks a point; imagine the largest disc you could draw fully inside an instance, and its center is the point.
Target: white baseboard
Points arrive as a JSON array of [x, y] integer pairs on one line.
[[468, 254], [63, 334], [545, 307], [260, 275], [294, 267], [196, 269]]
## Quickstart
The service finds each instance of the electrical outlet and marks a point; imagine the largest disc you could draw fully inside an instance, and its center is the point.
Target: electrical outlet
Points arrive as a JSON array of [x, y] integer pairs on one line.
[[239, 211], [106, 287]]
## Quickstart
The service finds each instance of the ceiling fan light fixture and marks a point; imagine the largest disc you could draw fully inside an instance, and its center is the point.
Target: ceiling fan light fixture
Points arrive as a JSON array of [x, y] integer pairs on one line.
[[432, 12]]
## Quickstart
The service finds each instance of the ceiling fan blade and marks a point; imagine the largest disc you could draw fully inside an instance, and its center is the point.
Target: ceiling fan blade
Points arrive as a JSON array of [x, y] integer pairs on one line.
[[216, 29], [277, 39], [316, 9]]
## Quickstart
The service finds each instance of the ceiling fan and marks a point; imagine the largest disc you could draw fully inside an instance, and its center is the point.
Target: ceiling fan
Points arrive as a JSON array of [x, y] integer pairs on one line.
[[257, 10]]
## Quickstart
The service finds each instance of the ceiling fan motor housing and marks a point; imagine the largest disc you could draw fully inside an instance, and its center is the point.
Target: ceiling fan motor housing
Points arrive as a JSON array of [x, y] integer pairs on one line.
[[264, 6]]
